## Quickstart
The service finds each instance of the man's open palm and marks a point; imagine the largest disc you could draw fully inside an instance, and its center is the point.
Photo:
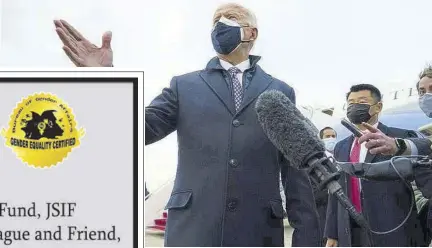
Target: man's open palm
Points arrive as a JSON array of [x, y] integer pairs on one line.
[[81, 51]]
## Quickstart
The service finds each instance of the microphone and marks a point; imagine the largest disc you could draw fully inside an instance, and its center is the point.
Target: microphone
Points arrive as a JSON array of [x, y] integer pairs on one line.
[[296, 138], [353, 129], [381, 171]]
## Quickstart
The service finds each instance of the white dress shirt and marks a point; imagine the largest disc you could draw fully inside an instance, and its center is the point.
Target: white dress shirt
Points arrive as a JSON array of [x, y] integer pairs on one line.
[[363, 149], [243, 66], [363, 152]]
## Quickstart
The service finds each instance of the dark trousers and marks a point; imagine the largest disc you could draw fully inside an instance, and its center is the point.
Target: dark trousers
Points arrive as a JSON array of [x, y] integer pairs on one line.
[[359, 236], [425, 223], [322, 211]]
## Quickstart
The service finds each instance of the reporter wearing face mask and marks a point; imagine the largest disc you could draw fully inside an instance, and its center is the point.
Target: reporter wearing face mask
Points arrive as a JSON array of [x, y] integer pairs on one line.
[[384, 204], [423, 176], [328, 136], [379, 143]]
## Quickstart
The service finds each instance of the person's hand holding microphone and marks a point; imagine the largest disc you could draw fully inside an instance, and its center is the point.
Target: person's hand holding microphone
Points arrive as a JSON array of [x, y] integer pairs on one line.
[[379, 143]]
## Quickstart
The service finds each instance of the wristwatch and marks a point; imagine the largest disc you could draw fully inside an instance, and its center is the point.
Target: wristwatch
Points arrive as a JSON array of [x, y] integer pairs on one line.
[[401, 145]]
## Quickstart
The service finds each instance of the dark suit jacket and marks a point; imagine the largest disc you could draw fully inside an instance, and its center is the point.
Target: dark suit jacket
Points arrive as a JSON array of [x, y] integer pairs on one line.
[[423, 176], [321, 201], [226, 190], [385, 204], [423, 179]]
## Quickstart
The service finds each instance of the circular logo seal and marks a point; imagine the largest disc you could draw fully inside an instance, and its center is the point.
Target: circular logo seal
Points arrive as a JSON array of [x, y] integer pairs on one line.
[[42, 130]]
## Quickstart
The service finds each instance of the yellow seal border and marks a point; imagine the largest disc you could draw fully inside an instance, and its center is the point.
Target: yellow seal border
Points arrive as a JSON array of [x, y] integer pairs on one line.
[[42, 152]]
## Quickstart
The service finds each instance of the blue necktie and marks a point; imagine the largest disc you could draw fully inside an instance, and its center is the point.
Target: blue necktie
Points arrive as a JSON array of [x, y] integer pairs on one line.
[[237, 87]]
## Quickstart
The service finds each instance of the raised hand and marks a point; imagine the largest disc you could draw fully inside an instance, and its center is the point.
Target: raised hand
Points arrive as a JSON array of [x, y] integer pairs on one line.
[[81, 51], [377, 142]]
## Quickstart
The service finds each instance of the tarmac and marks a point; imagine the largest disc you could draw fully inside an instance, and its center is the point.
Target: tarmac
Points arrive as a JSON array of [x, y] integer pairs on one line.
[[157, 240]]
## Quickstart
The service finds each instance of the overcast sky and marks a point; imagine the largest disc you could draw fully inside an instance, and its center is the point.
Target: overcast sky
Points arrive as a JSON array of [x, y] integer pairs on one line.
[[318, 47]]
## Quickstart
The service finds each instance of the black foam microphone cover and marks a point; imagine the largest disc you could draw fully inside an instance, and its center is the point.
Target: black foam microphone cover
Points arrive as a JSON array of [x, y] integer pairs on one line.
[[287, 128]]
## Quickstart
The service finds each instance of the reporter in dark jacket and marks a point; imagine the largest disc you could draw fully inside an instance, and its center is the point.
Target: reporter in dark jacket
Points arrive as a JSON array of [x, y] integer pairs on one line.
[[381, 144], [328, 136], [384, 204]]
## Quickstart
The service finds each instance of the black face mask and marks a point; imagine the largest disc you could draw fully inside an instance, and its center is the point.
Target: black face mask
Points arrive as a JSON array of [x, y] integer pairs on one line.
[[225, 38], [358, 113], [227, 35]]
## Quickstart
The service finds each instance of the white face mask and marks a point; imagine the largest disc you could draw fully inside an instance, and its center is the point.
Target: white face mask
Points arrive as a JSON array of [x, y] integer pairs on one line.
[[425, 103], [329, 144]]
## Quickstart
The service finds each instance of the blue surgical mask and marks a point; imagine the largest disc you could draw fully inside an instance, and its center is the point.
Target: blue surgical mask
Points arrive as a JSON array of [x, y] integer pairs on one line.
[[227, 35], [425, 103], [330, 144]]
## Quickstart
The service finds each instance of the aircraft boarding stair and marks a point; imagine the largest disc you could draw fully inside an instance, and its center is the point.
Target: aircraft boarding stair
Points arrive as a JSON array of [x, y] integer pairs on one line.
[[155, 215]]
